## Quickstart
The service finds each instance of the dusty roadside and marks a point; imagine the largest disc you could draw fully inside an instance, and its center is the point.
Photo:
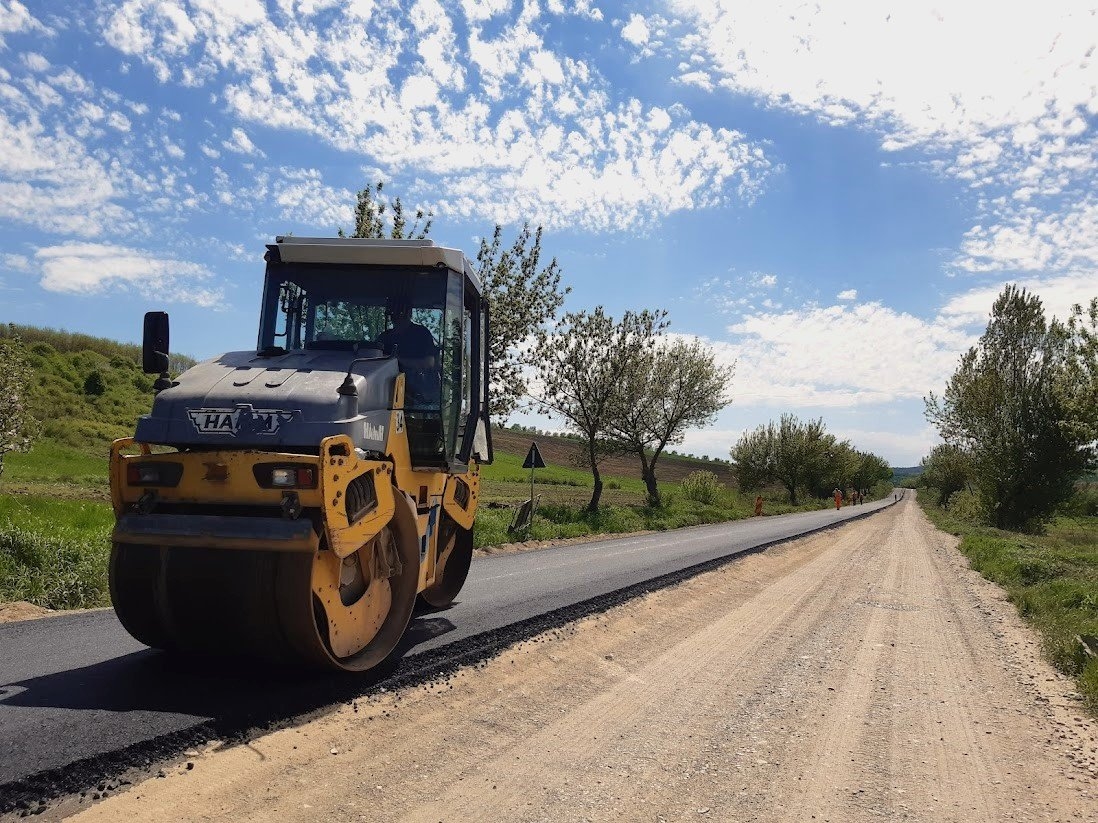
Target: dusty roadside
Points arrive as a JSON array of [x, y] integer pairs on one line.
[[859, 674]]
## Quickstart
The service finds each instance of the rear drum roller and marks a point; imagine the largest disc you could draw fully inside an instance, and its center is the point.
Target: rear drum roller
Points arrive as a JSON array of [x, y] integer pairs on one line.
[[305, 608], [455, 555]]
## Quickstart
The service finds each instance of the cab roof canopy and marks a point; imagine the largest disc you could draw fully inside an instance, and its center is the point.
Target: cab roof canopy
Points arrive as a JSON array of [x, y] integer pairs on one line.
[[369, 251]]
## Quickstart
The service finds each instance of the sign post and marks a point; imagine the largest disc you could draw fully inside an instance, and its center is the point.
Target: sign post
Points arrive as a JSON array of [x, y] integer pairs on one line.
[[533, 461]]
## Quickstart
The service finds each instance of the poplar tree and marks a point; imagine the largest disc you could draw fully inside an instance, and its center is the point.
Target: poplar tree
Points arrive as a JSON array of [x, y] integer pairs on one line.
[[1015, 404]]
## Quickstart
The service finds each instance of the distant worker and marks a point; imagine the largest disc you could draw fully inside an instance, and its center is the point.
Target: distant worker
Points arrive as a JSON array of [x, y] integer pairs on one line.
[[838, 499], [758, 506]]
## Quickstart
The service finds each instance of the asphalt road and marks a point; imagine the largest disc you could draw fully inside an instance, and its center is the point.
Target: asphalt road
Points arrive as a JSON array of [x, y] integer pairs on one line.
[[80, 698]]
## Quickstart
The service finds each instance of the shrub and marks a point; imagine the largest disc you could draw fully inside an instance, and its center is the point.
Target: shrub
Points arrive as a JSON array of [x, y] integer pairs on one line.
[[1084, 503], [702, 487], [967, 506], [94, 384]]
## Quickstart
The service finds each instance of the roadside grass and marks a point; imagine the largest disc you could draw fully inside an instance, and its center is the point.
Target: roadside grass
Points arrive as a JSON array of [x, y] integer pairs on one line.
[[54, 469], [555, 520], [54, 553], [1052, 578]]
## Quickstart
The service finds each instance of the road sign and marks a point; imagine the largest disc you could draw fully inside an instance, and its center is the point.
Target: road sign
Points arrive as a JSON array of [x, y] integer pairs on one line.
[[533, 458]]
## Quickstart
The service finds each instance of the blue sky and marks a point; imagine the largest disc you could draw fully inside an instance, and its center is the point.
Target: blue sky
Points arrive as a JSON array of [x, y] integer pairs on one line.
[[830, 197]]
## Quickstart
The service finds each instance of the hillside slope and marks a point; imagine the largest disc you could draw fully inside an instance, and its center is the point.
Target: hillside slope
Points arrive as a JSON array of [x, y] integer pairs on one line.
[[563, 452]]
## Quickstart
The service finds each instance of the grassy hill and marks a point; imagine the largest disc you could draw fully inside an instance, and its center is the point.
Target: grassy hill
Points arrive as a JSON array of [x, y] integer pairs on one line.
[[87, 390]]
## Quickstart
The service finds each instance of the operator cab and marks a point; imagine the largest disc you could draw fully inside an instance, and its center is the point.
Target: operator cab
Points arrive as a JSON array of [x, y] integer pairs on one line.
[[408, 299]]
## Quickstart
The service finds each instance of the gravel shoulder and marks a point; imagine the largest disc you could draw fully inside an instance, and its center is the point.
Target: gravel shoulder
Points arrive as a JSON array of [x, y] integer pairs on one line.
[[858, 674]]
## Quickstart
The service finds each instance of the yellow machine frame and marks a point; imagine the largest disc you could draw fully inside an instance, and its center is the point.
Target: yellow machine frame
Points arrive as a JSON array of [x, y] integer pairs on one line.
[[226, 478]]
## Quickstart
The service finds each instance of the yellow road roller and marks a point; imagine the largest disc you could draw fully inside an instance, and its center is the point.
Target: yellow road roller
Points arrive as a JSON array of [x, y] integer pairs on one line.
[[294, 502]]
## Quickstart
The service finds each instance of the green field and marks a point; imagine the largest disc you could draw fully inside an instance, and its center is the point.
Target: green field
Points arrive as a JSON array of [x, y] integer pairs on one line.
[[54, 470], [1052, 578]]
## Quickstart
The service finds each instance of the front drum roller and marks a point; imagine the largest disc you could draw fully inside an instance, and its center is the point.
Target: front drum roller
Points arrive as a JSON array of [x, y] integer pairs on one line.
[[307, 608], [455, 556]]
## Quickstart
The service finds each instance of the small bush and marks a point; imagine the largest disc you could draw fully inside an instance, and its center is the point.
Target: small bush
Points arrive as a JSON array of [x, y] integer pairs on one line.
[[94, 384], [1084, 503], [966, 505], [701, 487]]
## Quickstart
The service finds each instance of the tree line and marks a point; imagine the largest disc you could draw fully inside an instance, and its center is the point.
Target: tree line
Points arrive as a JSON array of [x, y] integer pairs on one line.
[[802, 456], [1019, 416]]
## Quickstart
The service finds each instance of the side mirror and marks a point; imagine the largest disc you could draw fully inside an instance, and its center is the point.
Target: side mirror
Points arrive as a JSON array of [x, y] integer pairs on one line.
[[154, 343]]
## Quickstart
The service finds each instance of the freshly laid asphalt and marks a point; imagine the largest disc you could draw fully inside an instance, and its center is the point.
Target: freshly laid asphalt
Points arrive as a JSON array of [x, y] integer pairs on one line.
[[80, 699]]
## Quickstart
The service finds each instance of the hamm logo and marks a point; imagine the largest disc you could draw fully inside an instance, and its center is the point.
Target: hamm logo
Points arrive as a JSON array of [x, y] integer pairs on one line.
[[230, 421]]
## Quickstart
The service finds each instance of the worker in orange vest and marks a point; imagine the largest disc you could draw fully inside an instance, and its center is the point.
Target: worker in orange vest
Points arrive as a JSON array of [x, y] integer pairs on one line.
[[838, 499]]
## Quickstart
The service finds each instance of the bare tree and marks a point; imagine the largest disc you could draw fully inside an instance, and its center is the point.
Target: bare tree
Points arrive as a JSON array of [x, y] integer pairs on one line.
[[370, 219]]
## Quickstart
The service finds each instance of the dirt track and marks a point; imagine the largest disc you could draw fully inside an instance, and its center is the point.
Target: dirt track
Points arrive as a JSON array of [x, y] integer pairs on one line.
[[861, 674]]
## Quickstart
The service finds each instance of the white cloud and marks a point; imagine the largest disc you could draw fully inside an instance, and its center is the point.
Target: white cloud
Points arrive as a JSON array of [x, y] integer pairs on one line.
[[16, 262], [899, 448], [96, 268], [847, 294], [478, 11], [48, 179], [1058, 294], [1007, 110], [303, 197], [839, 356], [35, 61], [519, 131], [173, 149], [240, 143], [856, 354], [1028, 239], [636, 30], [14, 18], [118, 121]]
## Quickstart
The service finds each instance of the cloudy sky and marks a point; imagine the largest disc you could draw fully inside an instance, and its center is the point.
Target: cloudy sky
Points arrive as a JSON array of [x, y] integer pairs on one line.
[[832, 197]]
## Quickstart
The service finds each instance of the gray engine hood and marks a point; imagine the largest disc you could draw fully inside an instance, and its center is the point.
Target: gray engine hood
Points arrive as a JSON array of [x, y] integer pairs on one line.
[[288, 402]]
